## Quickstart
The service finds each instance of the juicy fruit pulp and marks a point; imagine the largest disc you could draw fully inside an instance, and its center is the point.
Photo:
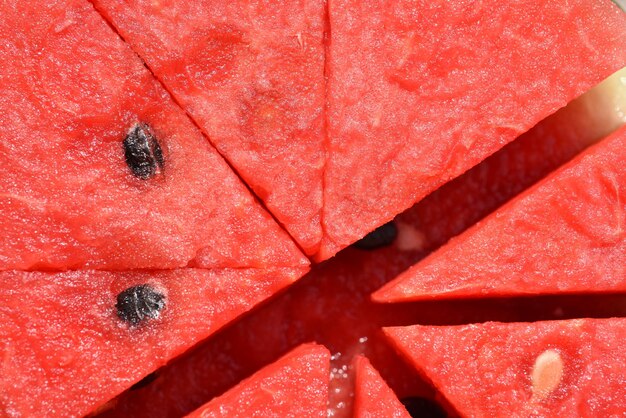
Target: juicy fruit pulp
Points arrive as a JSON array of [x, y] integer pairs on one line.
[[332, 306], [75, 110], [293, 386], [420, 91], [568, 368], [251, 74], [567, 234], [409, 104], [68, 350], [372, 396], [167, 319]]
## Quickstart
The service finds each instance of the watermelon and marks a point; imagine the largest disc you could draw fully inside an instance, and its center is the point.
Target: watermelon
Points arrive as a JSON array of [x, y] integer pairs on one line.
[[570, 368], [251, 74], [332, 304], [71, 341], [294, 386], [260, 66], [100, 169], [572, 225], [465, 200], [372, 397], [423, 90]]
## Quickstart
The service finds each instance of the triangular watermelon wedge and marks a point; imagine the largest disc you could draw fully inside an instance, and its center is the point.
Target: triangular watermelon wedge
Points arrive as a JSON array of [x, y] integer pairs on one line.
[[572, 368], [565, 235], [251, 74], [100, 169], [419, 92], [69, 344], [372, 397], [294, 386]]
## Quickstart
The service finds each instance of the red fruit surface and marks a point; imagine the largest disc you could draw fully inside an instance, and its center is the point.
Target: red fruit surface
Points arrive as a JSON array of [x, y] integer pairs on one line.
[[332, 304], [420, 91], [71, 90], [372, 397], [294, 386], [572, 368], [66, 351], [251, 74], [565, 235]]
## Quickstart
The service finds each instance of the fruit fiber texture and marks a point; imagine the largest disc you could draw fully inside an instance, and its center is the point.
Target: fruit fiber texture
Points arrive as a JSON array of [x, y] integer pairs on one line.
[[570, 368], [420, 91], [71, 91], [565, 235], [293, 386], [372, 397], [251, 74], [66, 350], [332, 304]]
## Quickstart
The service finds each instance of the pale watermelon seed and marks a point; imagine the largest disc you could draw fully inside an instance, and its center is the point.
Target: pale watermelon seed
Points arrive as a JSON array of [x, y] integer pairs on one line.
[[546, 374]]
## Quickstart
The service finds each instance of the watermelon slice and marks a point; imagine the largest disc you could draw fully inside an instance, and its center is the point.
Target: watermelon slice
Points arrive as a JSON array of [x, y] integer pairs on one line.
[[421, 91], [372, 396], [392, 75], [568, 368], [251, 74], [70, 342], [573, 226], [332, 305], [294, 386], [98, 166]]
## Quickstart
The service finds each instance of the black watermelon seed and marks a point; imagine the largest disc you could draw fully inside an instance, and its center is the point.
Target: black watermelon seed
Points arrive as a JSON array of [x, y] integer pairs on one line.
[[139, 303], [143, 152], [419, 407], [145, 381], [380, 237]]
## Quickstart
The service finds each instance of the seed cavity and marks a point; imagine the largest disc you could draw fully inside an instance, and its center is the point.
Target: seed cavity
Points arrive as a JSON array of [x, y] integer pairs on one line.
[[420, 407], [382, 236], [139, 303], [143, 153], [546, 374]]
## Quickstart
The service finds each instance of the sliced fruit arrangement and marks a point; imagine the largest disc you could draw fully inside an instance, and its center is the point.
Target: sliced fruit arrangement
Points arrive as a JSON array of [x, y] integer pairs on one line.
[[332, 304], [421, 91], [100, 169], [393, 78], [567, 234], [294, 386], [251, 74], [372, 396], [338, 115], [570, 368], [73, 340]]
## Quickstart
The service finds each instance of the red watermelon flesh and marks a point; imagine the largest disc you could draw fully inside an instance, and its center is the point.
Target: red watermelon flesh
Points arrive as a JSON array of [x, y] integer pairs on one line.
[[420, 91], [332, 305], [66, 351], [71, 91], [251, 74], [567, 234], [294, 386], [372, 397], [449, 210], [570, 368]]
